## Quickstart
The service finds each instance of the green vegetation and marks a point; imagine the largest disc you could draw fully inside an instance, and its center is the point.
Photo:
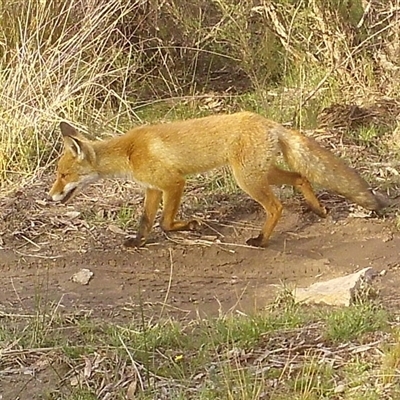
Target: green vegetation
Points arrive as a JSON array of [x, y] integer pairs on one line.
[[109, 64], [287, 351], [350, 323]]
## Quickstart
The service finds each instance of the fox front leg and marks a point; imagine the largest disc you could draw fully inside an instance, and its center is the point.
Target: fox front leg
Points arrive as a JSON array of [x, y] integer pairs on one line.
[[151, 203]]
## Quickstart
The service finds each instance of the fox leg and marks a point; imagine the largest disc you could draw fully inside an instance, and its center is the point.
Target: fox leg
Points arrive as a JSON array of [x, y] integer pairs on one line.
[[254, 185], [151, 203], [171, 201], [277, 176]]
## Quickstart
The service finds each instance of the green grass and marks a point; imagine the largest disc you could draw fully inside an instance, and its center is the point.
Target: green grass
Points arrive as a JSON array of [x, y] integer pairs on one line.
[[125, 216], [287, 351], [351, 323], [120, 64]]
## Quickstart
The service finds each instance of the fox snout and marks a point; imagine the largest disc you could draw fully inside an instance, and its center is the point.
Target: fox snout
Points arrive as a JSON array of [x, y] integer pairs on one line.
[[63, 193]]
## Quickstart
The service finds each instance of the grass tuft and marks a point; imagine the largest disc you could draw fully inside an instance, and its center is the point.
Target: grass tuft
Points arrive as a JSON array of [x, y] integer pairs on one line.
[[352, 323], [285, 354]]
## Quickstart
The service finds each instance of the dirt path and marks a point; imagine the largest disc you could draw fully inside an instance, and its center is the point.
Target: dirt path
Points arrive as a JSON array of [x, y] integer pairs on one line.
[[43, 245]]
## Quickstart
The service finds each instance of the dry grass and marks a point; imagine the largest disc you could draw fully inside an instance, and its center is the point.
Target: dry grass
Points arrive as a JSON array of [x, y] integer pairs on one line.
[[107, 64], [280, 353], [58, 62], [98, 64]]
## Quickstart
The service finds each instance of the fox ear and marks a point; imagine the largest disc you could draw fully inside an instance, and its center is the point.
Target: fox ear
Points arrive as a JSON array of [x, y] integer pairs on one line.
[[74, 146], [74, 141], [68, 130]]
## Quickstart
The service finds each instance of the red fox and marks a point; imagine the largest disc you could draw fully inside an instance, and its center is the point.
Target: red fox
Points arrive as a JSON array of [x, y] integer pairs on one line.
[[158, 157]]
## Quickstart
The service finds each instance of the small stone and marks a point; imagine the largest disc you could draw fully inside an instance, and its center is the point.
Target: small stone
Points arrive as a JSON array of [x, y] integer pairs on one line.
[[83, 276], [340, 388]]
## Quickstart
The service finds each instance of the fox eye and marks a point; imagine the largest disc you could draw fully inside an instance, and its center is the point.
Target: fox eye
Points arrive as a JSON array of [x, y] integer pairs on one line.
[[63, 176]]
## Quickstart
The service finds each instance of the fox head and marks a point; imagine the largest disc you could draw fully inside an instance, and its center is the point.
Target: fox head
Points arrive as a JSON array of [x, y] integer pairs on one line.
[[76, 166]]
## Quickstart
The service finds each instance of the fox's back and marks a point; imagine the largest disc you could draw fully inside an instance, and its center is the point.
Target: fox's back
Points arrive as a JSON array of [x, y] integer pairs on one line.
[[201, 144]]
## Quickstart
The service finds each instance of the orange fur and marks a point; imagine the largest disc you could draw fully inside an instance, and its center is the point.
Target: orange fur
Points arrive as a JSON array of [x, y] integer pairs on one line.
[[159, 157]]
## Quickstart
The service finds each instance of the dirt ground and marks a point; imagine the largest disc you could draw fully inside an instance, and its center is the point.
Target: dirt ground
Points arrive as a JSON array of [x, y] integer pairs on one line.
[[207, 272]]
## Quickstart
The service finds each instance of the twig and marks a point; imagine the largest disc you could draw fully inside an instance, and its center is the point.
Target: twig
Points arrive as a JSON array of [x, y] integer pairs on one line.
[[30, 241], [169, 283], [38, 256], [134, 363]]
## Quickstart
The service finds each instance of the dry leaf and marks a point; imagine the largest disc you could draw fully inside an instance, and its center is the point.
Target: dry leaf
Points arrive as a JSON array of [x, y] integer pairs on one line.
[[130, 393], [72, 214], [88, 368], [74, 381], [116, 229]]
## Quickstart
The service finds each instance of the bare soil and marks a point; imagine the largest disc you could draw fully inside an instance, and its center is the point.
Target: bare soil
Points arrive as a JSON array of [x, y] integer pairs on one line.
[[207, 272]]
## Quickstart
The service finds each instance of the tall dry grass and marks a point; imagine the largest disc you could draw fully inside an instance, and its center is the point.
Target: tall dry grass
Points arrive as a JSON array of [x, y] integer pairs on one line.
[[94, 62], [59, 60]]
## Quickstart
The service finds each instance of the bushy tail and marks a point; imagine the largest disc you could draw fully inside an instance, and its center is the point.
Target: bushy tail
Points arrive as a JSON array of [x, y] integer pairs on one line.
[[320, 166]]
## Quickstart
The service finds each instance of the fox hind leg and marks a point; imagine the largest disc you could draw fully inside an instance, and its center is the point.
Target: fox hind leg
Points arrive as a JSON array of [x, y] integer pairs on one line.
[[255, 185], [277, 176]]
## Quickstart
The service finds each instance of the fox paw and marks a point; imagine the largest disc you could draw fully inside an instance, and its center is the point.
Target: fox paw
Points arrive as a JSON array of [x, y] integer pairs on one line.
[[135, 242], [256, 241], [193, 225], [321, 212]]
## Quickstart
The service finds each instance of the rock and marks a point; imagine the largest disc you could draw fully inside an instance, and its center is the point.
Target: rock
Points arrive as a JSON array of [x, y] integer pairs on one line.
[[83, 276], [339, 291], [340, 388]]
